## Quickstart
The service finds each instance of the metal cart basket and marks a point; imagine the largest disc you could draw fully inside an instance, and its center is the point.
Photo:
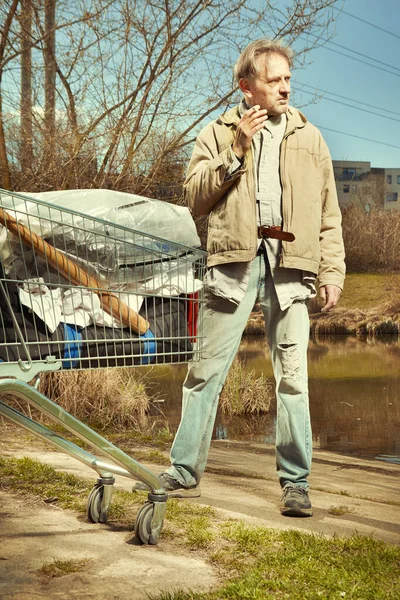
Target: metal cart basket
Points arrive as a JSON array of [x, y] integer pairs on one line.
[[80, 292]]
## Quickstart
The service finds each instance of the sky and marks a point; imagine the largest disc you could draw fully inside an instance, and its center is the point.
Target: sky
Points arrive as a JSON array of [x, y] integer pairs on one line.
[[370, 85], [341, 75]]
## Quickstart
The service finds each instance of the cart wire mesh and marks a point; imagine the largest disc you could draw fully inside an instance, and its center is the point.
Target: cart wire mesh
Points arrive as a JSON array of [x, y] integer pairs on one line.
[[77, 291]]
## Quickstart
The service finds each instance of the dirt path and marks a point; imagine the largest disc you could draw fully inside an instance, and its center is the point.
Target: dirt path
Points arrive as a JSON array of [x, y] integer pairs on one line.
[[35, 534]]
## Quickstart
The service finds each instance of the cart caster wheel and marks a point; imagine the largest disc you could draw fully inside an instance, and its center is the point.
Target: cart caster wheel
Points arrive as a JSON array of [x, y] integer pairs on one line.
[[93, 505], [143, 531]]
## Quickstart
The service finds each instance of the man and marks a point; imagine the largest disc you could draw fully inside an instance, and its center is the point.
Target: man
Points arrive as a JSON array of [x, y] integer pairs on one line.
[[264, 176]]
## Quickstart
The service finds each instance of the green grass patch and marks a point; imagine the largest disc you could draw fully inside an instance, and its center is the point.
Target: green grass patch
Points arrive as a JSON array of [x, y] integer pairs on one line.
[[151, 456], [199, 533], [192, 523], [59, 568], [270, 564], [339, 510], [369, 306], [368, 290], [30, 477]]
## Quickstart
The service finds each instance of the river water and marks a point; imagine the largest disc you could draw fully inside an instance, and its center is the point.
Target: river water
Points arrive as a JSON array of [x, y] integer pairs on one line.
[[354, 395]]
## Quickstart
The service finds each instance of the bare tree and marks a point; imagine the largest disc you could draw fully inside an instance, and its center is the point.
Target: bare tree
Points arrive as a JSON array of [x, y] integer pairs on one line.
[[8, 16], [49, 54], [26, 149], [134, 80]]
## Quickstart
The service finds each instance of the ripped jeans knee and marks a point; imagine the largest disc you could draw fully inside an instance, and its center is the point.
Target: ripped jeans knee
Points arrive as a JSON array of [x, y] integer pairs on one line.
[[290, 360]]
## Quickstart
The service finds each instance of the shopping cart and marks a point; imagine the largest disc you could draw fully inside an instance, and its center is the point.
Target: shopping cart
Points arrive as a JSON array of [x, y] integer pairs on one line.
[[80, 292]]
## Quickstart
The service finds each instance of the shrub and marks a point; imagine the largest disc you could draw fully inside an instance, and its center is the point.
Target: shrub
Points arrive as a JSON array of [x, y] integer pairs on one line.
[[372, 240], [114, 397], [245, 392]]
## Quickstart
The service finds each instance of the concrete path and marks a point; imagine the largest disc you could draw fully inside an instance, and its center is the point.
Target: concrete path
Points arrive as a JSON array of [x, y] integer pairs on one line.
[[241, 483]]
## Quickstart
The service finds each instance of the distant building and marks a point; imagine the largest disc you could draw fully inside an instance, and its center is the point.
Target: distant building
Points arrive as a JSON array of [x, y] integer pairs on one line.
[[358, 182], [392, 189]]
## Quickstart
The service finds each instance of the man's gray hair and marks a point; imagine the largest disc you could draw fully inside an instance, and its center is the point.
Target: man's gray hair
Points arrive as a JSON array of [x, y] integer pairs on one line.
[[246, 66]]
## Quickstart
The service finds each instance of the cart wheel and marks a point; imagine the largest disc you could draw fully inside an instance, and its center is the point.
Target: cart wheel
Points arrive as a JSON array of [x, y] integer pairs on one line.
[[93, 505], [143, 524]]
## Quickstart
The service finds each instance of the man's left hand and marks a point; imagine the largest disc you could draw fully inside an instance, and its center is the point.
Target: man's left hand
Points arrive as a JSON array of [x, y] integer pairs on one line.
[[330, 295]]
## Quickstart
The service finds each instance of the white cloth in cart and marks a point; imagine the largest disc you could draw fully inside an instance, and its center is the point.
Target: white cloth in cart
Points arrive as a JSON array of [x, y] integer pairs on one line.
[[74, 306], [45, 303]]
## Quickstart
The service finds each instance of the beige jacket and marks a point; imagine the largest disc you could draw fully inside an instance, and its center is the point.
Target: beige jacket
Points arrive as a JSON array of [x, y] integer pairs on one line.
[[310, 207]]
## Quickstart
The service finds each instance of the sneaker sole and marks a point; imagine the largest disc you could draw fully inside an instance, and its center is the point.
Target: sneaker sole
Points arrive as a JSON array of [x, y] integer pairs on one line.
[[179, 493], [296, 512], [185, 493]]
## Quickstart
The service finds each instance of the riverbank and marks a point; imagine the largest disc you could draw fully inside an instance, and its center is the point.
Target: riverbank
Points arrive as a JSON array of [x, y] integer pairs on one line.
[[369, 306], [384, 319], [232, 540]]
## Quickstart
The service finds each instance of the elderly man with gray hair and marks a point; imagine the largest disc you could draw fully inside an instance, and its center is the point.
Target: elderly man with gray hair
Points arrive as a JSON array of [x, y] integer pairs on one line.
[[263, 174]]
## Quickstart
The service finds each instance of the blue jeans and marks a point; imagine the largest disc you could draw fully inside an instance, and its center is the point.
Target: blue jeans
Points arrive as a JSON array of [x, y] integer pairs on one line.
[[223, 324]]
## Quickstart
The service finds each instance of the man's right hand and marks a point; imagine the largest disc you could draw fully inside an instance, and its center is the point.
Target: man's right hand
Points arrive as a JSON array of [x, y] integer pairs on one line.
[[252, 121]]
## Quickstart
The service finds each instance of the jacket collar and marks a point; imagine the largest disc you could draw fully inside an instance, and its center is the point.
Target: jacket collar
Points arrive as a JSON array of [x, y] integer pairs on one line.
[[295, 118]]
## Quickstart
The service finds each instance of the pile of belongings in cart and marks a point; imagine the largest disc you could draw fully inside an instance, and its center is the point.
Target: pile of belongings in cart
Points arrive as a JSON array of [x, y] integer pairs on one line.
[[140, 250]]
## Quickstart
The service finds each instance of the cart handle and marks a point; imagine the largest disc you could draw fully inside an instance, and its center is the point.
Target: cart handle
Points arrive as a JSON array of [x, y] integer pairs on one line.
[[74, 273]]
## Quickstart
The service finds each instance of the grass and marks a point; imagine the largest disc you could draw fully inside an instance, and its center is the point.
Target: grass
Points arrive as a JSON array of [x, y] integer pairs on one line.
[[160, 437], [339, 510], [117, 402], [253, 562], [116, 397], [365, 291], [369, 306], [267, 564], [32, 478], [384, 319], [199, 534], [245, 393], [368, 290], [371, 240], [59, 568]]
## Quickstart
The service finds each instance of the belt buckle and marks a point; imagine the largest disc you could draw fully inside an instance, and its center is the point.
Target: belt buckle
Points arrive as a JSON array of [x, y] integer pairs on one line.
[[260, 229]]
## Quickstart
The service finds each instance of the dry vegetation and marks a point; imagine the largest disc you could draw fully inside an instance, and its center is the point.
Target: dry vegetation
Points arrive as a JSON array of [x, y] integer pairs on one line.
[[116, 398], [372, 240], [244, 392], [120, 399], [383, 319]]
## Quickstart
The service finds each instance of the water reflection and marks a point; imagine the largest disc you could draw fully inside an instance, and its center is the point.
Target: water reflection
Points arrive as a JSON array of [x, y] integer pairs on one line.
[[354, 395]]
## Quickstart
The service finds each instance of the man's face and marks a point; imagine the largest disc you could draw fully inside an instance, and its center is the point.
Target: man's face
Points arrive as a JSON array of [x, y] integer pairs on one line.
[[271, 88]]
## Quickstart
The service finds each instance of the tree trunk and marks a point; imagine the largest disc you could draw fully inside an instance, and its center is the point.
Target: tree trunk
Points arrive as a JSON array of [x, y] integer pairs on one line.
[[5, 176], [26, 147], [50, 75]]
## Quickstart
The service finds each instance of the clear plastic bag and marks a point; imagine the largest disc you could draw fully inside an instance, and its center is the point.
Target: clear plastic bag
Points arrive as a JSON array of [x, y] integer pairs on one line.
[[111, 243]]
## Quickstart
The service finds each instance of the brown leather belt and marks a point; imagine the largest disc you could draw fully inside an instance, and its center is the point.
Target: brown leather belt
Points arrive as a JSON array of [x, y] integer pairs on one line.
[[275, 232]]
